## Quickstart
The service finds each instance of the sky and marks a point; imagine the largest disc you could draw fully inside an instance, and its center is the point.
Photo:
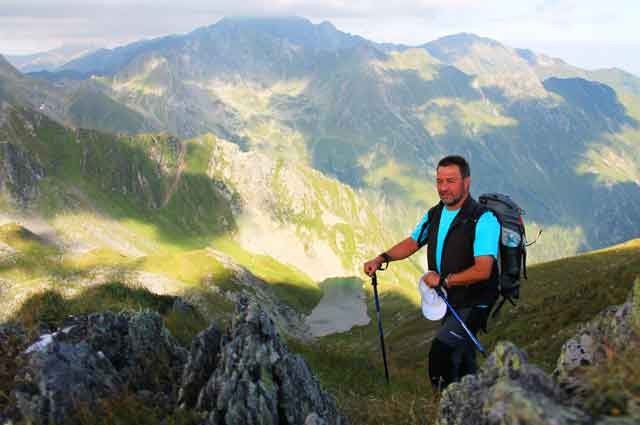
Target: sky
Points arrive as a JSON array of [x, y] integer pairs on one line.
[[586, 33]]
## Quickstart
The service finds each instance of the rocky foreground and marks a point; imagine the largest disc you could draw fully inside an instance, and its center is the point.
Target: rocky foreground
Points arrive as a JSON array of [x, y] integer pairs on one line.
[[246, 375], [243, 376], [510, 390]]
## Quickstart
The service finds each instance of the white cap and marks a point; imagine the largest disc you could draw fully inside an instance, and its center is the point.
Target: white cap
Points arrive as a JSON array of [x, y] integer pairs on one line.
[[433, 307]]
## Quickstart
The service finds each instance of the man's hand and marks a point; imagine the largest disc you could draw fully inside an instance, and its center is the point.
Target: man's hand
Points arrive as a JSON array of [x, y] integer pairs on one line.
[[431, 278], [371, 266]]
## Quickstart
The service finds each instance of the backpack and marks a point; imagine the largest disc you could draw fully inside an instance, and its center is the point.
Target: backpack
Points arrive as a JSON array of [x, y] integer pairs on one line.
[[512, 253]]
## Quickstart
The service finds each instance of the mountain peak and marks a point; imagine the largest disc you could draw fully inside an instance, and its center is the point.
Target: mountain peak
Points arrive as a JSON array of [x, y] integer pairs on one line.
[[451, 47], [463, 39], [7, 70], [295, 29]]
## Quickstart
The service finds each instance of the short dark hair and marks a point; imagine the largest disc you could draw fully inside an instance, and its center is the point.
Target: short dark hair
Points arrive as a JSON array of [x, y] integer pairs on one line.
[[462, 164]]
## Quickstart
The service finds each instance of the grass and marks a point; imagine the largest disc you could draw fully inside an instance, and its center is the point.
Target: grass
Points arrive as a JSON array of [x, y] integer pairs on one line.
[[11, 345], [291, 285], [350, 366], [191, 267], [556, 299], [34, 256], [562, 294], [415, 59], [477, 116], [614, 383], [126, 409], [356, 379], [50, 308]]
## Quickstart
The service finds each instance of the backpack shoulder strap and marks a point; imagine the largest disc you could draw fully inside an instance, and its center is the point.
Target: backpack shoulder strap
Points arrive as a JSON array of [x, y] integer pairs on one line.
[[422, 238]]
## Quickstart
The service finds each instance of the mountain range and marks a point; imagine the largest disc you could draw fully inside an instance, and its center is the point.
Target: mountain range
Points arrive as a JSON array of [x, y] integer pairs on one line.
[[371, 120]]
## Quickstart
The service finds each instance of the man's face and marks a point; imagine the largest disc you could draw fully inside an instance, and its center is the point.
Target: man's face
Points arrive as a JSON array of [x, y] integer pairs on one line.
[[452, 188]]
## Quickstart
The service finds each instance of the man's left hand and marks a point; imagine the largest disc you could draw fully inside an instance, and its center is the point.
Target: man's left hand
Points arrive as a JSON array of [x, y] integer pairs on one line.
[[431, 278]]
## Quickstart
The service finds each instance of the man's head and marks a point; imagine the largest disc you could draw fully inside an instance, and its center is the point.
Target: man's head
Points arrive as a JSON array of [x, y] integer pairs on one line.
[[453, 178]]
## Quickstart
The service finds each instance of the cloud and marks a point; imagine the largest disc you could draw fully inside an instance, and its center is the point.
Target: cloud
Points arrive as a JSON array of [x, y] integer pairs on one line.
[[27, 24], [37, 25]]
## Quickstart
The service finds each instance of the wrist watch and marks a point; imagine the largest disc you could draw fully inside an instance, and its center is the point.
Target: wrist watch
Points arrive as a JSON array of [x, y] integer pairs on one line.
[[385, 257]]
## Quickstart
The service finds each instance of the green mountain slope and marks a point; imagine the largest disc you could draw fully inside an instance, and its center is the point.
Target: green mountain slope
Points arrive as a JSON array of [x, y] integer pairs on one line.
[[181, 216], [378, 119], [558, 297]]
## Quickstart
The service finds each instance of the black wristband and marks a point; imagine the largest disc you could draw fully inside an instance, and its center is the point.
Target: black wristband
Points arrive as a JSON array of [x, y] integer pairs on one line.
[[385, 257], [443, 282]]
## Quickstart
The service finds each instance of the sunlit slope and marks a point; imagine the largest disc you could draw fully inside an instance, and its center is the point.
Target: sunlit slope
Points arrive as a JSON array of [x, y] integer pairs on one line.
[[177, 215], [555, 300], [378, 119]]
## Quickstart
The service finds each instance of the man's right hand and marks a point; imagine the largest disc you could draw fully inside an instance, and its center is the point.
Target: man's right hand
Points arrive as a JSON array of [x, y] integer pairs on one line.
[[371, 266]]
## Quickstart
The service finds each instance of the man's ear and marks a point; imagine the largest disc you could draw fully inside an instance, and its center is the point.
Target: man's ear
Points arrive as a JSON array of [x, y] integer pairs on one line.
[[467, 183]]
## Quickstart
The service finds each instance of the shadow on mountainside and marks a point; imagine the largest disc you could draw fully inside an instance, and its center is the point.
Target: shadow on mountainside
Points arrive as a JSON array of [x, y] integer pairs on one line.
[[145, 179], [353, 109], [536, 161]]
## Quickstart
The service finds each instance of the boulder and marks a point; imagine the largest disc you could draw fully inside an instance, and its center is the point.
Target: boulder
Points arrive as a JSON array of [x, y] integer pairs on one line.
[[95, 357], [201, 363], [508, 390], [610, 336], [245, 376], [59, 378], [142, 350], [258, 381]]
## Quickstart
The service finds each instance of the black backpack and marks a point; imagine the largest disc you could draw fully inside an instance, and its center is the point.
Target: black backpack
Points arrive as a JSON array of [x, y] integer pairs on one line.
[[513, 245]]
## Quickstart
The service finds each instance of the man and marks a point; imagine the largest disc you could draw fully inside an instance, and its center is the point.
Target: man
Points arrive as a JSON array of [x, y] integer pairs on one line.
[[462, 247]]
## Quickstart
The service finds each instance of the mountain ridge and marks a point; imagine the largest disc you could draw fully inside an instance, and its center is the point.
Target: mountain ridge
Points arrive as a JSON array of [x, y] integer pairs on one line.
[[378, 119]]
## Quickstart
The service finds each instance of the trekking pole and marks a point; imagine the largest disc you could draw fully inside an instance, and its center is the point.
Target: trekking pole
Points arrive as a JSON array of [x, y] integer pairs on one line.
[[374, 282], [455, 314]]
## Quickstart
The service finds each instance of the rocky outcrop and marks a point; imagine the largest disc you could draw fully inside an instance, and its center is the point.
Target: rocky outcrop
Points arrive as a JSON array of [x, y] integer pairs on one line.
[[611, 331], [610, 335], [245, 376], [203, 356], [96, 357], [61, 378], [19, 173], [258, 381], [507, 390], [510, 390]]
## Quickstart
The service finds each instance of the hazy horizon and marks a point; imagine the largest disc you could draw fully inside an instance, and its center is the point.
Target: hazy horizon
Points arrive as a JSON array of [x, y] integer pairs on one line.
[[588, 34]]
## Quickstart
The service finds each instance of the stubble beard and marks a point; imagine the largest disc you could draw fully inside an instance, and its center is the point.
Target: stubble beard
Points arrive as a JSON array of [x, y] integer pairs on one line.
[[453, 201]]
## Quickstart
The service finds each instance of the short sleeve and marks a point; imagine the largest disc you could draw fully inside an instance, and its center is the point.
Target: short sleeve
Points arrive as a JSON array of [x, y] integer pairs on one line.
[[487, 236], [415, 235]]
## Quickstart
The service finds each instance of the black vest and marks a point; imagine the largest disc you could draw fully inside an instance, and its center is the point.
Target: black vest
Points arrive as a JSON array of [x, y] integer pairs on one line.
[[457, 254]]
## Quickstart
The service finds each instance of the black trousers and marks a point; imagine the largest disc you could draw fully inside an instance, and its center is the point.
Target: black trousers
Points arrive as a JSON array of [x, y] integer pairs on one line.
[[453, 354]]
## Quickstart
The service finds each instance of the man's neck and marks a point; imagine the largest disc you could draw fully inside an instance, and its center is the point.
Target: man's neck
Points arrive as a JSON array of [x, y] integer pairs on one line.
[[458, 204]]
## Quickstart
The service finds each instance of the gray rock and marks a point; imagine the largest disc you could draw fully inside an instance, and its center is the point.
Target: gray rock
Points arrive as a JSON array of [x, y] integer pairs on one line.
[[314, 419], [140, 348], [61, 377], [19, 173], [95, 357], [507, 390], [612, 331], [201, 363], [258, 381]]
